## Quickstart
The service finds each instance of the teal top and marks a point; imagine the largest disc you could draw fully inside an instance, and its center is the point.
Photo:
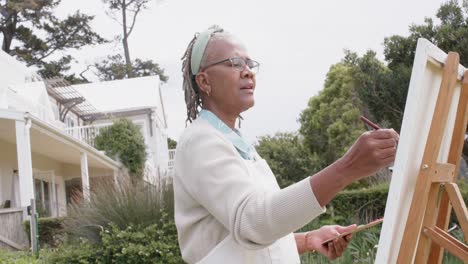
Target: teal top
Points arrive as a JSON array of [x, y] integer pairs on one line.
[[234, 136]]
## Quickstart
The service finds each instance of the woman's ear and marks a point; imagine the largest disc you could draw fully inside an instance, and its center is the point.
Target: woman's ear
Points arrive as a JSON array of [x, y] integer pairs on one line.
[[203, 82]]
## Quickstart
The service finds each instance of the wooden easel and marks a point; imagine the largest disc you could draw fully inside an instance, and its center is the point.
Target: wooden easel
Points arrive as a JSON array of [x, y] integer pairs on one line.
[[429, 214]]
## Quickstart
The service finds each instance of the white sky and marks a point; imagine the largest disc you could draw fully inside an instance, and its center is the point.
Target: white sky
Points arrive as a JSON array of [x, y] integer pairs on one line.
[[295, 41]]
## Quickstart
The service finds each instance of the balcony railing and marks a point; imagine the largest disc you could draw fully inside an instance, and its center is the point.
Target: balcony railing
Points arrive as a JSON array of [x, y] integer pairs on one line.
[[15, 101], [171, 162], [86, 133]]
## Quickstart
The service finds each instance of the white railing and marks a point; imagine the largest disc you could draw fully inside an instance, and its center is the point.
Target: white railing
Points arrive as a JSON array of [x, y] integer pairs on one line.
[[86, 133], [171, 162]]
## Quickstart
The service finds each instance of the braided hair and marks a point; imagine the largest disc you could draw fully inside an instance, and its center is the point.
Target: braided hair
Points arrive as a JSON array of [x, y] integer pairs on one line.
[[193, 98]]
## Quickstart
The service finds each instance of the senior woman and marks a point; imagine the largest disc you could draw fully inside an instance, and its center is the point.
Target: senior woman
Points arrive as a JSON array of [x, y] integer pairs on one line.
[[228, 205]]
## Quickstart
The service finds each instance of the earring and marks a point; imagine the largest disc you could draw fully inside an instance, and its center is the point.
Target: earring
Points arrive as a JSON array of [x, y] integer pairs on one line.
[[208, 93]]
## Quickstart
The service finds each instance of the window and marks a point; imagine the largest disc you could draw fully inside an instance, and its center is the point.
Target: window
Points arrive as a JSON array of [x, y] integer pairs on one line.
[[42, 196]]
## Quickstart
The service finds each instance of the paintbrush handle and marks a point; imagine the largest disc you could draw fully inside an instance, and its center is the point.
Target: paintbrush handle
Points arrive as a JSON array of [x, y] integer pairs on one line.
[[370, 123]]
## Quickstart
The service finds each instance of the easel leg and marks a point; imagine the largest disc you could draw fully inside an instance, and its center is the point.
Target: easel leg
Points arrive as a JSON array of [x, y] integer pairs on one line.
[[459, 206], [454, 157], [424, 245]]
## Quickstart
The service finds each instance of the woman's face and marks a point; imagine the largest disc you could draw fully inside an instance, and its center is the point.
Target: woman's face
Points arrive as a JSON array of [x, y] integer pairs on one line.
[[231, 89]]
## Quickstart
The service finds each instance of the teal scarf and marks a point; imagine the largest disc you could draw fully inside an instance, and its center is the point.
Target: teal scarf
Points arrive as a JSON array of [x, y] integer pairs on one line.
[[234, 136]]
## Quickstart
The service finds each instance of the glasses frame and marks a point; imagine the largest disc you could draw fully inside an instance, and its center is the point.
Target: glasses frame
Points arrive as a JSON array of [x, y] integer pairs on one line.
[[256, 64]]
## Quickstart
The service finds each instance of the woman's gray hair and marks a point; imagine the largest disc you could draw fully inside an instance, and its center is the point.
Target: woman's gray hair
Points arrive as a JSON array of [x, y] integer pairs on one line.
[[193, 99]]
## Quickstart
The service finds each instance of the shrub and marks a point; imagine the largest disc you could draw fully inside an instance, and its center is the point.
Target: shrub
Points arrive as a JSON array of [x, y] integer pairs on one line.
[[78, 252], [124, 141], [171, 144], [153, 244], [356, 206], [17, 257], [156, 243], [51, 230]]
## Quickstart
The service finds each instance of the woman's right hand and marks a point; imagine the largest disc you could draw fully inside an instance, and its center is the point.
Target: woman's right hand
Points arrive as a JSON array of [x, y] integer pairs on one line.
[[372, 151]]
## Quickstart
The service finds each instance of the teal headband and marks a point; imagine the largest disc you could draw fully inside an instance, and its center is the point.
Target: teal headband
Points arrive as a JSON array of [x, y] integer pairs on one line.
[[199, 48]]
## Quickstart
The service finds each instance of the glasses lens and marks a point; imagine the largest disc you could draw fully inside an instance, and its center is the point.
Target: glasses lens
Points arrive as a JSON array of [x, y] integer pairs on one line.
[[239, 64], [253, 65]]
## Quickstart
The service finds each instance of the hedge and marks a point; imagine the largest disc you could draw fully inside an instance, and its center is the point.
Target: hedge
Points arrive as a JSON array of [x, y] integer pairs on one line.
[[360, 206]]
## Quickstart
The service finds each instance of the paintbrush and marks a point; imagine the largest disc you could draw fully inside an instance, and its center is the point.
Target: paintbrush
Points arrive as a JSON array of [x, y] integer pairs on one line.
[[369, 123]]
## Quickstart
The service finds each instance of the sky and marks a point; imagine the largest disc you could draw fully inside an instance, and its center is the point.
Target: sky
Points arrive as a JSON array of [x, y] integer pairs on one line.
[[296, 42]]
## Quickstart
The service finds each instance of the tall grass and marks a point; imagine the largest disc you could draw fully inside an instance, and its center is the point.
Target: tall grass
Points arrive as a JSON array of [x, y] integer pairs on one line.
[[138, 204]]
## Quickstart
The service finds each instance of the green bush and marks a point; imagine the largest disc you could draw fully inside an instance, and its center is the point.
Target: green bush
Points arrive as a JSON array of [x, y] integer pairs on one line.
[[156, 243], [17, 257], [78, 252], [361, 206], [356, 206], [133, 223], [51, 230], [124, 141]]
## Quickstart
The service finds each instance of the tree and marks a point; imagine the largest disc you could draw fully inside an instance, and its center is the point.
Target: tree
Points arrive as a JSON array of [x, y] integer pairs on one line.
[[384, 89], [127, 8], [115, 67], [32, 33], [286, 156], [330, 123], [171, 144], [123, 141], [378, 86]]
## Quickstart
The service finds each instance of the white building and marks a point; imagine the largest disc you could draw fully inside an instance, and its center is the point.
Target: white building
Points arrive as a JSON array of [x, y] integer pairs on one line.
[[139, 100], [46, 132]]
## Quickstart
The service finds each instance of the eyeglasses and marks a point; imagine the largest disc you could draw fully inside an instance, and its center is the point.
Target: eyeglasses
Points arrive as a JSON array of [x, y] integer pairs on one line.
[[238, 64]]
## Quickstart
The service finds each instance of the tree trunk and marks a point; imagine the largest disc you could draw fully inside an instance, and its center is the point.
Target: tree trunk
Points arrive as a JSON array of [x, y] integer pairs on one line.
[[128, 61], [9, 32]]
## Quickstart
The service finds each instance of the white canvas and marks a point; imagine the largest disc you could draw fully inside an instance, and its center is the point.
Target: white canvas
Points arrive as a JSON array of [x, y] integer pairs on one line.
[[420, 103]]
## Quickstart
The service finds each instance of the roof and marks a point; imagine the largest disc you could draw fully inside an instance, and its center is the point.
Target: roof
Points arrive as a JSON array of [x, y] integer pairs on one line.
[[114, 96], [14, 71], [124, 113]]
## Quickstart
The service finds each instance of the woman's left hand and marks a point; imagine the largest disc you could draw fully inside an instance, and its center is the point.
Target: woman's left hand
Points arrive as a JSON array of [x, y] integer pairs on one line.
[[333, 249]]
